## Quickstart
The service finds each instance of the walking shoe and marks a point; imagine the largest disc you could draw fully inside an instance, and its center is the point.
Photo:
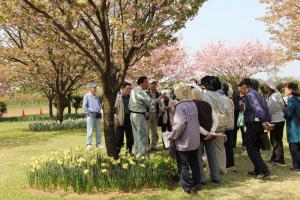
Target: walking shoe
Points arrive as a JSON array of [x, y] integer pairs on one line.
[[263, 176], [215, 181], [252, 173], [195, 189], [153, 149], [187, 190]]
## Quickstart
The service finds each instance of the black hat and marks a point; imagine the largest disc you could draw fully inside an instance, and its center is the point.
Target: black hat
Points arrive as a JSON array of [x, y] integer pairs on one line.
[[205, 81], [214, 84], [245, 81]]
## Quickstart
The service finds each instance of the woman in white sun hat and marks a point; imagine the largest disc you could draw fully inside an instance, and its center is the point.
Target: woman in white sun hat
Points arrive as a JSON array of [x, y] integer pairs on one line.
[[276, 108]]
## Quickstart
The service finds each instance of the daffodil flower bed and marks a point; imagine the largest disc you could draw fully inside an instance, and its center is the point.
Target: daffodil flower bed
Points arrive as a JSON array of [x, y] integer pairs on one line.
[[50, 125], [87, 170]]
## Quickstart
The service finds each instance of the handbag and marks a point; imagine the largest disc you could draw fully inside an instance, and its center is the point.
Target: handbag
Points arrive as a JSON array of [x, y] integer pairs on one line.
[[240, 120], [172, 149], [97, 115]]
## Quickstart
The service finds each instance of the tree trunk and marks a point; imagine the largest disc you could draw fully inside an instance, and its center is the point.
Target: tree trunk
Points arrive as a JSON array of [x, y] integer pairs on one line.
[[109, 99], [50, 104], [76, 111], [69, 103], [61, 105]]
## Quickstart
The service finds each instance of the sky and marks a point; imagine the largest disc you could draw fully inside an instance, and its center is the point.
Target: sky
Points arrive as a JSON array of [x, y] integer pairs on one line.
[[233, 21]]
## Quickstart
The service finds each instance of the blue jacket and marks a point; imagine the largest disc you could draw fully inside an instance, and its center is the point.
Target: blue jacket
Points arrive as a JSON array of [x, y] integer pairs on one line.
[[292, 116], [256, 107]]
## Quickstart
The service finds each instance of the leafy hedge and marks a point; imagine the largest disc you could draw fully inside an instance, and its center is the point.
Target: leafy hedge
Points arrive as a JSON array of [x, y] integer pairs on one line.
[[51, 125], [87, 170]]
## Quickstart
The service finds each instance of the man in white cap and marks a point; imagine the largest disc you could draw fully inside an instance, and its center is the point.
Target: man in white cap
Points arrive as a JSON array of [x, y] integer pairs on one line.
[[153, 113], [139, 104], [92, 108]]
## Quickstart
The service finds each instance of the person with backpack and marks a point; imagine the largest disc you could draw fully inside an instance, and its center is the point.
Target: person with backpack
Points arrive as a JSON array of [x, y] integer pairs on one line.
[[292, 116], [208, 121], [217, 101], [256, 119], [276, 107]]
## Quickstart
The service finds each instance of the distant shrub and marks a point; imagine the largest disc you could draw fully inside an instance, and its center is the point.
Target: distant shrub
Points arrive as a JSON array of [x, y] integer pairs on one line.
[[38, 118], [50, 125], [3, 108]]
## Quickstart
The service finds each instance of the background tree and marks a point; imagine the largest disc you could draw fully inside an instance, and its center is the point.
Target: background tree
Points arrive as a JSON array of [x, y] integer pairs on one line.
[[4, 83], [235, 62], [76, 102], [283, 21], [112, 34], [40, 61]]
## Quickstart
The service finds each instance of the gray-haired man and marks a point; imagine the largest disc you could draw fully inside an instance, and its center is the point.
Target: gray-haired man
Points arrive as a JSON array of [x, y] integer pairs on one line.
[[92, 108]]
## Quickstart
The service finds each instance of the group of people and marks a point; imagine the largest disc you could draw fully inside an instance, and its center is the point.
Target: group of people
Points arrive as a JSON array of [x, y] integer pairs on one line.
[[203, 120]]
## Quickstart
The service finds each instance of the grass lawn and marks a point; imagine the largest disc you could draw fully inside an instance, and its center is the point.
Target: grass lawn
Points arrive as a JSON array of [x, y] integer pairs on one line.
[[18, 145]]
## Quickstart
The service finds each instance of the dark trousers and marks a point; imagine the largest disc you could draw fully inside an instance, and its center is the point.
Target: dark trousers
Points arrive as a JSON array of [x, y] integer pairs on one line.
[[127, 129], [253, 141], [229, 148], [166, 127], [295, 154], [187, 160], [234, 136], [276, 136]]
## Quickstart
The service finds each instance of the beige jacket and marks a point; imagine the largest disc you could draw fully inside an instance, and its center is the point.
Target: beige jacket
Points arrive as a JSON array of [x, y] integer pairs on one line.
[[162, 111], [119, 106]]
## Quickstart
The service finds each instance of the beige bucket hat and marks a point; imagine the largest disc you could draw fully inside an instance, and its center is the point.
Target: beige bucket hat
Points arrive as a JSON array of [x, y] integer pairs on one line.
[[183, 91]]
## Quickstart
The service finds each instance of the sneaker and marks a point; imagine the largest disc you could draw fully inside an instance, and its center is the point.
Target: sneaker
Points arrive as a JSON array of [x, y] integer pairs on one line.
[[88, 147], [252, 173], [263, 176]]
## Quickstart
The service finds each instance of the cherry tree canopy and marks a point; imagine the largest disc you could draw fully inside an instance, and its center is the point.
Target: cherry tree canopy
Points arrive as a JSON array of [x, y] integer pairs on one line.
[[283, 21], [234, 62], [164, 63]]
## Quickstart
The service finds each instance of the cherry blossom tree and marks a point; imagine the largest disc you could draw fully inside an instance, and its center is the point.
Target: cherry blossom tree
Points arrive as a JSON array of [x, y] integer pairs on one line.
[[167, 62], [39, 61], [112, 34], [234, 62], [283, 21]]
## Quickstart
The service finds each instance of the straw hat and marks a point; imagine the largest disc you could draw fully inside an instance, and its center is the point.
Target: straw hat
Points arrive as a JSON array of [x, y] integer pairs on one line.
[[183, 91]]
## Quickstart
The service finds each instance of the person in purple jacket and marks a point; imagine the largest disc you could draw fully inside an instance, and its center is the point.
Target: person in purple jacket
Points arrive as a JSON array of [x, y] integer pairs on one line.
[[186, 134], [256, 117]]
